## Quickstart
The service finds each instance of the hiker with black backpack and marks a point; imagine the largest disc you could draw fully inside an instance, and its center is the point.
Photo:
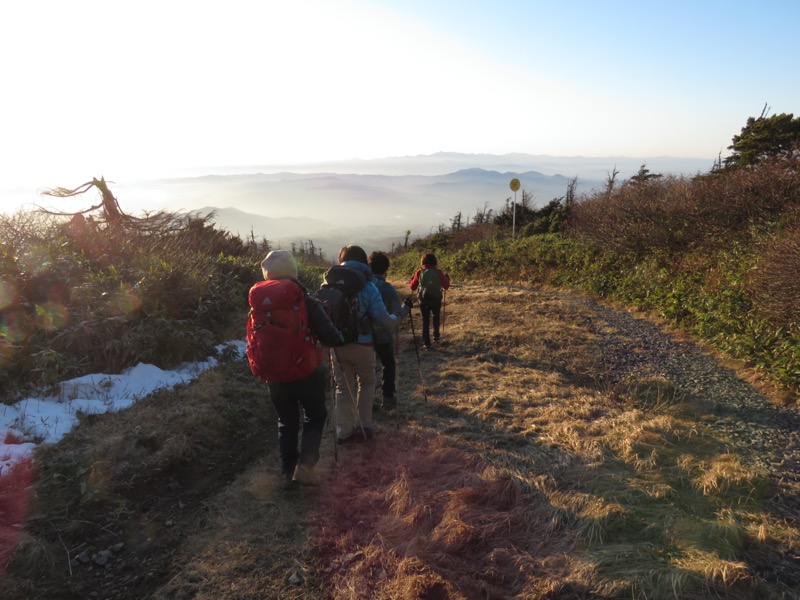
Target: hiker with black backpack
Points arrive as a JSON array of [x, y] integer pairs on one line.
[[385, 338], [430, 283], [354, 364], [282, 332]]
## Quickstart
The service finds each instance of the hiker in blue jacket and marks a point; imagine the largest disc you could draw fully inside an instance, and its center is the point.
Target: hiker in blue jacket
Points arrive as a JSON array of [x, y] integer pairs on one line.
[[354, 368], [384, 338]]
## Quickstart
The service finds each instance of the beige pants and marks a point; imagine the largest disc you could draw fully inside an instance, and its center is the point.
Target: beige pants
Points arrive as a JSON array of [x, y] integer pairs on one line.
[[354, 371]]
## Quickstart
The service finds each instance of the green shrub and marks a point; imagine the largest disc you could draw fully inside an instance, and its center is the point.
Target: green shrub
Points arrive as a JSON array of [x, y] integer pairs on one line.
[[716, 254], [92, 300]]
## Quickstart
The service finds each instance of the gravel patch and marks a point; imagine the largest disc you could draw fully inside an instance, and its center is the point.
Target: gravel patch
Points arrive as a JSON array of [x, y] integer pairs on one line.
[[764, 434]]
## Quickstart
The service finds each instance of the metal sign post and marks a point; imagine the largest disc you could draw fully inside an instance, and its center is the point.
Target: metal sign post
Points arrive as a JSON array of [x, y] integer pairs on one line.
[[514, 185]]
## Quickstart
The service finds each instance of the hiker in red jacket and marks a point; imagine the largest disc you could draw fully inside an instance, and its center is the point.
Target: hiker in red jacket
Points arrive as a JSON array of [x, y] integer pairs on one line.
[[430, 282], [299, 402]]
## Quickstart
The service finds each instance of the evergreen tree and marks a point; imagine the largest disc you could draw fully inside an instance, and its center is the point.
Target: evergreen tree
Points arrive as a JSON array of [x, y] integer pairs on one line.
[[764, 137], [643, 176]]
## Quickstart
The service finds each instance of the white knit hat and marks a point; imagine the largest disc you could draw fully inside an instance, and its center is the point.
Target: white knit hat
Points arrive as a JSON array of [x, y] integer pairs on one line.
[[279, 264]]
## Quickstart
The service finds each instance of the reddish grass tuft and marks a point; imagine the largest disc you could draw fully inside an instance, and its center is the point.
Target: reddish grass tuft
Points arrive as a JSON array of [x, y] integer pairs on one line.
[[14, 500], [429, 521]]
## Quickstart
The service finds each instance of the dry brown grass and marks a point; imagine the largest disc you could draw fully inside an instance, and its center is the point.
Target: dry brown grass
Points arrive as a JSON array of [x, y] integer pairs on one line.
[[525, 475], [520, 479], [774, 283]]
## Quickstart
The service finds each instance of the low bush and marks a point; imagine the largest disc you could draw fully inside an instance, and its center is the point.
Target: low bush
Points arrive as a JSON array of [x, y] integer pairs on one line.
[[85, 299]]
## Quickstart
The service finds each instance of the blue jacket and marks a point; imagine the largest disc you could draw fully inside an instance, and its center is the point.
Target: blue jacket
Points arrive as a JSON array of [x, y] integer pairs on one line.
[[392, 303], [370, 304]]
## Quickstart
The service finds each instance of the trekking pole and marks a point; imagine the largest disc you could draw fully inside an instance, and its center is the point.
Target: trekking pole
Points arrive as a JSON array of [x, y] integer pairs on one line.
[[352, 397], [419, 363], [397, 339], [444, 309], [333, 405], [397, 372]]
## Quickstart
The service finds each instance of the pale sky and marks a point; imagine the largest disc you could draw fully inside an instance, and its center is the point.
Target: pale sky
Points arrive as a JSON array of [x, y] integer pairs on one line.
[[153, 87]]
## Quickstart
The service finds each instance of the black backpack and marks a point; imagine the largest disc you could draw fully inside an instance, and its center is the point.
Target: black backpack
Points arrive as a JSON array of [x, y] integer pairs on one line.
[[338, 295]]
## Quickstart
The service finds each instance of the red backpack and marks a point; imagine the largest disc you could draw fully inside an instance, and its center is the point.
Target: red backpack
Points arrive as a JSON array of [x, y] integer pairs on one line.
[[280, 345]]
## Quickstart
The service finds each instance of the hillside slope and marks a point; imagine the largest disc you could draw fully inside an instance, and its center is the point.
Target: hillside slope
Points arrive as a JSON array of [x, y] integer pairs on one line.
[[566, 450]]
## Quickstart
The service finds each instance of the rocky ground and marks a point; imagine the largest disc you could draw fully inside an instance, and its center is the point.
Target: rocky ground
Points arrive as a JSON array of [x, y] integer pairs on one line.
[[768, 432]]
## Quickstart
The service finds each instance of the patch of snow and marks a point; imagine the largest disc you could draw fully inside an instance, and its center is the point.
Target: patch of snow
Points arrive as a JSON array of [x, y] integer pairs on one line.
[[45, 420]]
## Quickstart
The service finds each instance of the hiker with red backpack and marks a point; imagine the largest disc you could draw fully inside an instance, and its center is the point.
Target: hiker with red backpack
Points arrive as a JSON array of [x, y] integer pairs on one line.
[[385, 338], [282, 332], [430, 283], [354, 367]]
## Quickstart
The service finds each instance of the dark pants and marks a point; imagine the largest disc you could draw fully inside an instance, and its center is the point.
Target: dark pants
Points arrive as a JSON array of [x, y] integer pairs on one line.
[[429, 310], [308, 395], [385, 354]]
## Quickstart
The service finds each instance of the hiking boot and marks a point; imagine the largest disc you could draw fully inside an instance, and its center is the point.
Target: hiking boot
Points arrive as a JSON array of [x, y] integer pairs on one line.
[[359, 434], [305, 475], [287, 483], [389, 403], [428, 347]]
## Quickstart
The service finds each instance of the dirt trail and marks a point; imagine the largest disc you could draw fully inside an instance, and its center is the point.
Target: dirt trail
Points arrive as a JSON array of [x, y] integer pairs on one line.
[[543, 458]]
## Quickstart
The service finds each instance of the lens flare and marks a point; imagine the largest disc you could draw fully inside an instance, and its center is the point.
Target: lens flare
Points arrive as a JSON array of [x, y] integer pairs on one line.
[[51, 316], [17, 327], [6, 349], [14, 499], [8, 294], [35, 261], [126, 301]]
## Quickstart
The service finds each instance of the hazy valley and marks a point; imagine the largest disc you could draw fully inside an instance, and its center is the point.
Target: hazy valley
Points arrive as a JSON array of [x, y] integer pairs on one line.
[[375, 202], [370, 202]]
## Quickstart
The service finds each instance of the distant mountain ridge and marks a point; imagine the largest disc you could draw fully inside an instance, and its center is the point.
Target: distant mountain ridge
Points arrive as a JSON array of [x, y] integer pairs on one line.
[[209, 185], [375, 201], [335, 209], [244, 224], [335, 205], [442, 163]]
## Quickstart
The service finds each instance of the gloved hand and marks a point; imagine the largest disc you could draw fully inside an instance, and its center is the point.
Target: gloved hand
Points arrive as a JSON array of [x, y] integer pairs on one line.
[[409, 302]]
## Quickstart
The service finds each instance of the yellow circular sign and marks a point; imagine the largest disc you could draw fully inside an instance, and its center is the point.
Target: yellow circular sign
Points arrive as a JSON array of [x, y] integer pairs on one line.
[[514, 185]]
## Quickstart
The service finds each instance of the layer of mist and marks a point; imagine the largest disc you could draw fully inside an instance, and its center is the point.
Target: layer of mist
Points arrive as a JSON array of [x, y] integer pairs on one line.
[[369, 202]]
